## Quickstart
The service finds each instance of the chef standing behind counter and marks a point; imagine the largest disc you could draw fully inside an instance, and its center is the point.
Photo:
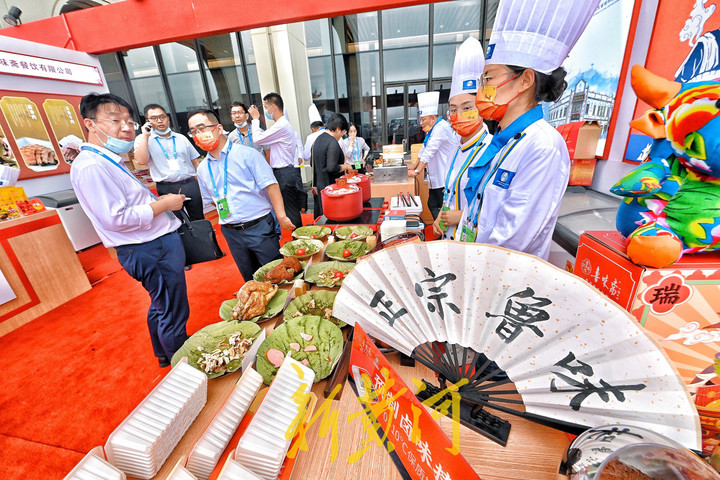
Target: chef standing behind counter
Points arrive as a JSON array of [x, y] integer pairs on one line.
[[514, 191], [474, 137]]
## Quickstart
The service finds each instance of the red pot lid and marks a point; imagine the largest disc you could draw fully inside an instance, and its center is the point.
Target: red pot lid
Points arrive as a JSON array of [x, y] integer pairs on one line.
[[336, 190], [357, 178]]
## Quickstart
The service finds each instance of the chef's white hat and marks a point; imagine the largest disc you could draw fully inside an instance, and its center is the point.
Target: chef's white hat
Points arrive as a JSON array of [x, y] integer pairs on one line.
[[313, 114], [468, 67], [428, 103], [537, 34]]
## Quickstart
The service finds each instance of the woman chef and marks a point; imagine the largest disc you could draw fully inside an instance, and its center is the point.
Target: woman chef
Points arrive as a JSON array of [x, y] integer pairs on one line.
[[474, 137], [514, 192]]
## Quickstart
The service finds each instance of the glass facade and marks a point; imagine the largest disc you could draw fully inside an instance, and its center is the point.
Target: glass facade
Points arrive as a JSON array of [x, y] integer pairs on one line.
[[368, 66]]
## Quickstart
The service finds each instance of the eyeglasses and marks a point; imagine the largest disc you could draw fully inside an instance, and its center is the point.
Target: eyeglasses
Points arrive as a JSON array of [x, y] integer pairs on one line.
[[157, 118], [235, 114], [484, 78], [200, 129], [466, 108], [122, 123]]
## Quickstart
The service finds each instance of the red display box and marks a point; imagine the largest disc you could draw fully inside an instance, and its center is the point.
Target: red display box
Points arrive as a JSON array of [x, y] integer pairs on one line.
[[678, 305]]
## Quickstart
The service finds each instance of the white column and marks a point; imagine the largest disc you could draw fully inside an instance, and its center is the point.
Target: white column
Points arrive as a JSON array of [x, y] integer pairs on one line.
[[282, 65]]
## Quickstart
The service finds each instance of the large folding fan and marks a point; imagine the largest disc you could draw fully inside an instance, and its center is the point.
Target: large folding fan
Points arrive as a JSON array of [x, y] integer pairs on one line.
[[530, 339]]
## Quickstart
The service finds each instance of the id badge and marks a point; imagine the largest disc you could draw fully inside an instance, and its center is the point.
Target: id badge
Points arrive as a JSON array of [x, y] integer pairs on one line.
[[467, 235], [357, 164], [442, 226], [173, 164], [223, 208]]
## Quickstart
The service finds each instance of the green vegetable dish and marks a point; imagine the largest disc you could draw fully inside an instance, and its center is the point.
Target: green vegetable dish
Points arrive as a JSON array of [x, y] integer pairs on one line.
[[328, 274], [319, 302], [274, 307], [356, 232], [346, 250], [259, 275], [311, 231], [218, 348], [311, 340], [301, 248]]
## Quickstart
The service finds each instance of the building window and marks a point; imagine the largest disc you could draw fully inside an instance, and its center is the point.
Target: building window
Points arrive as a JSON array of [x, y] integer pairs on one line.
[[145, 79], [180, 61]]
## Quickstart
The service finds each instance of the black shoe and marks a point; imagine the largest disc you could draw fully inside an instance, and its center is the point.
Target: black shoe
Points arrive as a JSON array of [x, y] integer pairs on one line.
[[163, 362], [188, 267]]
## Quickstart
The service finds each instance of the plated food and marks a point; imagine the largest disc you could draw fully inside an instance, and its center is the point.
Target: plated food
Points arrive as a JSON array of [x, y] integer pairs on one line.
[[313, 341], [355, 232], [280, 271], [319, 303], [254, 301], [328, 274], [346, 250], [311, 232], [301, 248], [218, 348]]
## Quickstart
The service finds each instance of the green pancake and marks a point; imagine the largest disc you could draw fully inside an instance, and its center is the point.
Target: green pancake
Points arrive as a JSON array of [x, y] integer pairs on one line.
[[326, 336], [357, 249], [209, 339], [321, 273], [312, 303], [273, 307], [320, 232], [259, 275], [311, 247], [361, 231]]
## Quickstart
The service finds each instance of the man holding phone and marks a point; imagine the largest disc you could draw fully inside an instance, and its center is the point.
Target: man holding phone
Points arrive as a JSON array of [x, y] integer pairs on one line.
[[172, 160]]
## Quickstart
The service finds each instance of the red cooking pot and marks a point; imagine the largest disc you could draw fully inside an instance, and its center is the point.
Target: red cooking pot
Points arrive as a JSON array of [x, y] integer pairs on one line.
[[342, 202], [363, 181]]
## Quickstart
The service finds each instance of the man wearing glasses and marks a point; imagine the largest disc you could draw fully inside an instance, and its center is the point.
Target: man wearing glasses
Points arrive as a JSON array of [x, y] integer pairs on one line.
[[172, 160], [241, 184], [243, 133], [127, 216]]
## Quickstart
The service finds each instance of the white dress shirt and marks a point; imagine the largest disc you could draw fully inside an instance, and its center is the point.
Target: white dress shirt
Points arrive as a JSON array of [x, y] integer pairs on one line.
[[438, 152], [281, 140], [116, 203], [164, 169]]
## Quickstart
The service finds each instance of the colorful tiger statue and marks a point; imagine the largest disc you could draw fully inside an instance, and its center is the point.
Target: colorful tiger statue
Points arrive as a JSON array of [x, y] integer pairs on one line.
[[672, 203]]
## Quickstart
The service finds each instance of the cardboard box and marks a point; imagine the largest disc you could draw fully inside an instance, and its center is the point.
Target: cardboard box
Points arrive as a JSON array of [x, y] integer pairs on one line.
[[678, 305], [581, 138]]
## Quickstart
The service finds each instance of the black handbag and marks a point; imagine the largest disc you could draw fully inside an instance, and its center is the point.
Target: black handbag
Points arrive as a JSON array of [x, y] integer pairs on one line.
[[199, 241]]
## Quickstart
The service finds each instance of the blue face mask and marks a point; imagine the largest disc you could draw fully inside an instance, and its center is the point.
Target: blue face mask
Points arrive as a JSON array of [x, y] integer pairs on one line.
[[241, 125], [162, 132], [267, 115], [115, 145]]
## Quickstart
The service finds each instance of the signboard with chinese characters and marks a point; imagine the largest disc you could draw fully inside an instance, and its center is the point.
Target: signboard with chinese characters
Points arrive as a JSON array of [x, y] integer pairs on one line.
[[395, 418], [40, 92], [41, 131], [31, 66], [678, 305]]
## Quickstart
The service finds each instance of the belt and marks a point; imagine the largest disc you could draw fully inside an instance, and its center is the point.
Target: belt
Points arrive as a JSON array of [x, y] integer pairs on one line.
[[180, 182], [243, 226], [286, 166]]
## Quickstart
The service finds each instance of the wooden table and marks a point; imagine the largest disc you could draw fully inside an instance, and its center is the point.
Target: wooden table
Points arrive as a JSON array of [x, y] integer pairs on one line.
[[533, 451], [41, 266]]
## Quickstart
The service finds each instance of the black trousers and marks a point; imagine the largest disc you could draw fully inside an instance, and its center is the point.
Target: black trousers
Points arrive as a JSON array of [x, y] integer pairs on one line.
[[191, 189], [435, 198], [293, 194]]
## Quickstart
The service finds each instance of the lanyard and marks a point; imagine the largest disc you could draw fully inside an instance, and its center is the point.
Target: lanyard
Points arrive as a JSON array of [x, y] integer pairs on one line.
[[212, 177], [106, 157], [240, 135], [157, 139], [476, 204], [427, 137], [355, 150], [451, 194]]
